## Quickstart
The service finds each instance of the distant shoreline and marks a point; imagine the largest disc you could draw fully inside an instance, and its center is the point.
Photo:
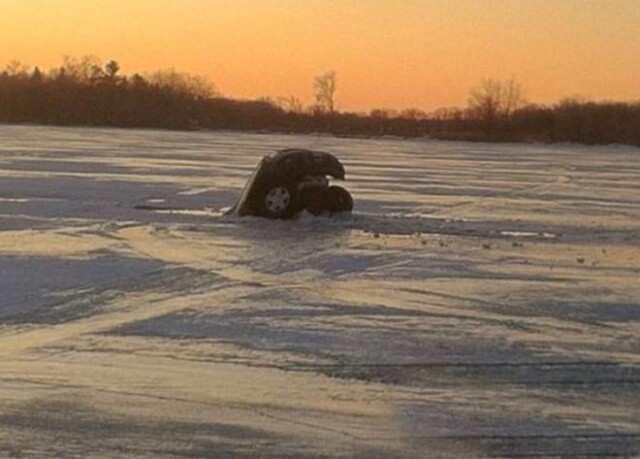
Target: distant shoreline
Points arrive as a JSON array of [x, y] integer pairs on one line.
[[83, 93], [436, 138]]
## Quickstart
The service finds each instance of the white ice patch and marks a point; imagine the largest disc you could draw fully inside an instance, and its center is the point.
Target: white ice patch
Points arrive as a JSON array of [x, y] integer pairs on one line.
[[191, 212], [528, 234], [13, 200]]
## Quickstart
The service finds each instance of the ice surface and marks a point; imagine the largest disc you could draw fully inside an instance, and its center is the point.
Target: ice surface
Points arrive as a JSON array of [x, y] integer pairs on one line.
[[481, 301]]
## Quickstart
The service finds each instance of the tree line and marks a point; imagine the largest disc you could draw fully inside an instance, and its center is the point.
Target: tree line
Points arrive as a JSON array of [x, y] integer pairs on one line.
[[497, 111], [89, 92]]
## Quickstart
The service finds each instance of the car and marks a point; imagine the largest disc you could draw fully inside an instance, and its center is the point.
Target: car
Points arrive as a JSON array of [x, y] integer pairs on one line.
[[291, 181]]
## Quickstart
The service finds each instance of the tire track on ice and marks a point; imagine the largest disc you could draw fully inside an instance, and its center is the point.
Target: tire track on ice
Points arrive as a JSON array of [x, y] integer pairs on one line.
[[132, 308]]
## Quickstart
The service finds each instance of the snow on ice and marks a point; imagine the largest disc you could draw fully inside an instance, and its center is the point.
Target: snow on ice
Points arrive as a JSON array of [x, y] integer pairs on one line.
[[481, 301]]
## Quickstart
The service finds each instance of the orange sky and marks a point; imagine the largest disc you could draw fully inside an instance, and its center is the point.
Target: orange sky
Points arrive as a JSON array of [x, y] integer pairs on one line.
[[386, 53]]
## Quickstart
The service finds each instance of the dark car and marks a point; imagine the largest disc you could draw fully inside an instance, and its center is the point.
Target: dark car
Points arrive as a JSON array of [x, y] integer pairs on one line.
[[293, 180]]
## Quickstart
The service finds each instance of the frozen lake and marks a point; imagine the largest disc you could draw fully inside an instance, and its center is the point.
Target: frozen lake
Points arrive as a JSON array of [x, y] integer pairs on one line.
[[482, 301]]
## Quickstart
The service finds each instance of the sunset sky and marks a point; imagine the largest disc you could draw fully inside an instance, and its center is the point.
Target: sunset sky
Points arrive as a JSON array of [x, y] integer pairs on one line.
[[386, 53]]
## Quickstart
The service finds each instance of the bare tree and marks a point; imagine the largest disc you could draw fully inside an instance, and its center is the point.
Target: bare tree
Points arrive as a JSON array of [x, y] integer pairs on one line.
[[383, 113], [324, 89], [15, 68], [494, 98], [85, 68], [290, 104], [512, 96], [182, 83], [413, 114], [111, 70], [485, 99], [447, 113]]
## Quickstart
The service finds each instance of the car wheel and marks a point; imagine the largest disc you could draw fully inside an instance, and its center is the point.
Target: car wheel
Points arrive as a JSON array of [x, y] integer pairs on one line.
[[278, 201], [338, 200]]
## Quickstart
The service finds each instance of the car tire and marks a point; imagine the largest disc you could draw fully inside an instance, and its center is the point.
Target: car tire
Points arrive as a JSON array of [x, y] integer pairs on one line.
[[338, 200], [278, 200]]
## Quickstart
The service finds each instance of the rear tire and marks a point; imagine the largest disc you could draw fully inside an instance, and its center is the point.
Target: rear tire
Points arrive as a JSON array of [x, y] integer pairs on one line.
[[338, 200]]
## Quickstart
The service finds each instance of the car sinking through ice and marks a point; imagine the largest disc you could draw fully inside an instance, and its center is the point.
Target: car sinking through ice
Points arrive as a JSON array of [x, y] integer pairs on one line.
[[291, 181]]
